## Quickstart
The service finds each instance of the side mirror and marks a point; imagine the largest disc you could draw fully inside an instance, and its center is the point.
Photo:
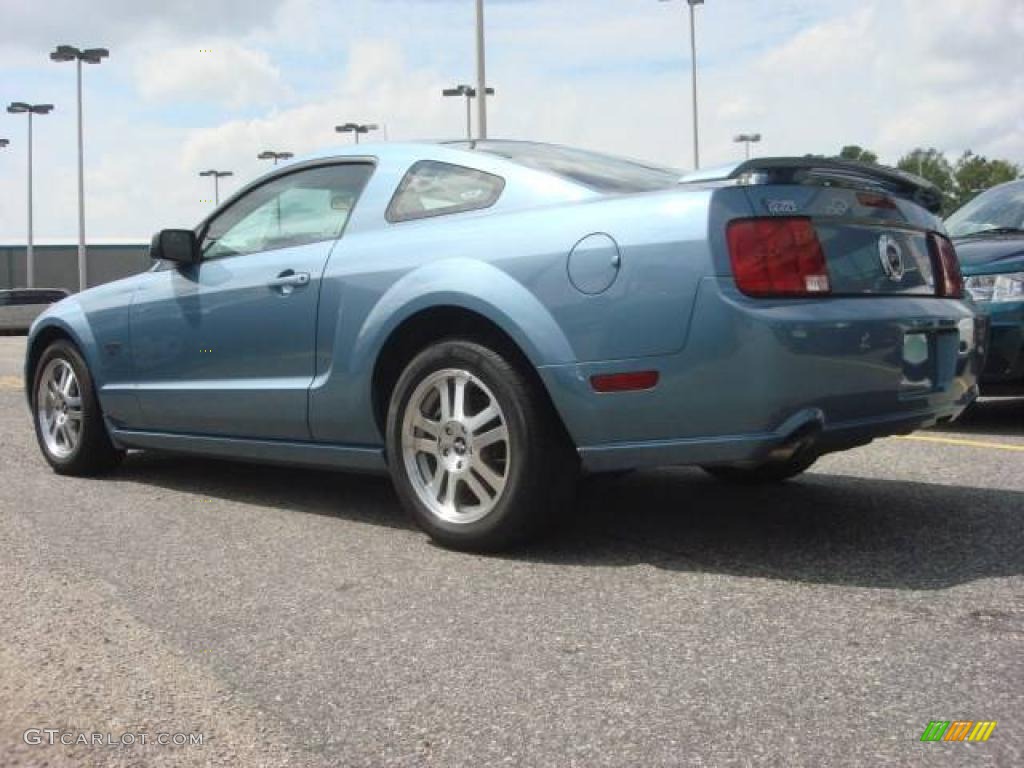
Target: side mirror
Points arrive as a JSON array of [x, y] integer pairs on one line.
[[178, 245]]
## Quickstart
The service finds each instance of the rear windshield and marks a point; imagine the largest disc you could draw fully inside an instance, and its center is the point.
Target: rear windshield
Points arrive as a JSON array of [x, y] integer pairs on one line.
[[602, 173]]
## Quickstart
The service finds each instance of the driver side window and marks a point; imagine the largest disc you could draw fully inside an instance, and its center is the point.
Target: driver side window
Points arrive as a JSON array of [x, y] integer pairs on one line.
[[296, 209]]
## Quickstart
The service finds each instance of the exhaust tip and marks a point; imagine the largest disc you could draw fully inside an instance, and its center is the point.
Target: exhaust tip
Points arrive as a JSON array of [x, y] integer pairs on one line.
[[801, 441]]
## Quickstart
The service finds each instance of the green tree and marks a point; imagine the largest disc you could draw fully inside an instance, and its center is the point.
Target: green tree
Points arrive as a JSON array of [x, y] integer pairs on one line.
[[973, 174], [854, 152], [932, 165]]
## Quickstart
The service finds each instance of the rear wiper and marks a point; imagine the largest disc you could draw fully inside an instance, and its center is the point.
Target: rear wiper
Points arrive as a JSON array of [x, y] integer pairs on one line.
[[994, 231]]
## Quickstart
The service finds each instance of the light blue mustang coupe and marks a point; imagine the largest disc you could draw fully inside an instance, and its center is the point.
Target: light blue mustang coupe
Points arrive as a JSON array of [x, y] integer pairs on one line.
[[485, 320]]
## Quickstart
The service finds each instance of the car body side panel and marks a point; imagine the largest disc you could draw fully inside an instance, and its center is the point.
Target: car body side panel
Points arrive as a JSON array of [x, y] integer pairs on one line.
[[98, 322], [218, 351], [371, 306], [512, 269]]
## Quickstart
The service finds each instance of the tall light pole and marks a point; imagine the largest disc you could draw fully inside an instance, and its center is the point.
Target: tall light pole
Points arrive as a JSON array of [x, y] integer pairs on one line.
[[356, 128], [747, 139], [89, 56], [693, 58], [275, 156], [16, 108], [217, 176], [481, 72], [470, 93]]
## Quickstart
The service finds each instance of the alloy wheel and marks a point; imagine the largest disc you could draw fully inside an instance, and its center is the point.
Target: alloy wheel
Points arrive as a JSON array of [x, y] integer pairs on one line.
[[59, 408], [455, 446]]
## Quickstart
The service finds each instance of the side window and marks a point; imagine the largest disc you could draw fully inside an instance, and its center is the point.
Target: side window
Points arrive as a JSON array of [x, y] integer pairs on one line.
[[297, 209], [435, 189]]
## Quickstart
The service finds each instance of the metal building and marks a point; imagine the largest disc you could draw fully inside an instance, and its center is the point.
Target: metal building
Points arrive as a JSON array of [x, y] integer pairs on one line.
[[56, 262]]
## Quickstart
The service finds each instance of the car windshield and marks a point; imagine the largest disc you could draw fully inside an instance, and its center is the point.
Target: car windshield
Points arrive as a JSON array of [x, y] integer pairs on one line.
[[602, 173], [997, 211]]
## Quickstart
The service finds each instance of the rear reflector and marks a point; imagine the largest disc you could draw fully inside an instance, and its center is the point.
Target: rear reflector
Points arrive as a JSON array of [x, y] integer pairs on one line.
[[778, 256], [624, 382], [949, 282]]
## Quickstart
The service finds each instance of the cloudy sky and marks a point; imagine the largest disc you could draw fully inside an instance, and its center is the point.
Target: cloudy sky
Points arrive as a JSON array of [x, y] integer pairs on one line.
[[193, 84]]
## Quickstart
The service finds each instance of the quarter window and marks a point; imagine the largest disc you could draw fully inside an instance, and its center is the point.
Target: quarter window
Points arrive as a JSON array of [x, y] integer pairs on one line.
[[297, 209], [431, 188]]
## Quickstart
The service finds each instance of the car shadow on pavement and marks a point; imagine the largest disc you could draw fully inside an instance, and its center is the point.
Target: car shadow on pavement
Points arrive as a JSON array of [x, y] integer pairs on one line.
[[820, 528], [994, 417], [360, 498]]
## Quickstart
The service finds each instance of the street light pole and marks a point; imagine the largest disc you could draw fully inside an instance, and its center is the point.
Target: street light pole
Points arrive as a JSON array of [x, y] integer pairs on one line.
[[356, 128], [693, 59], [275, 156], [15, 108], [470, 93], [693, 55], [89, 56], [747, 139], [481, 72], [217, 176]]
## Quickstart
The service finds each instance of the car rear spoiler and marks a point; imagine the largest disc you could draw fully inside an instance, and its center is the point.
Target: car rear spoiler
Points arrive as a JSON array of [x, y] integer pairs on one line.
[[823, 171]]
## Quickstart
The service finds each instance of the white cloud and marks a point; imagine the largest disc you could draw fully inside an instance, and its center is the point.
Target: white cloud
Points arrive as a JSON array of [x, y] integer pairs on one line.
[[219, 71]]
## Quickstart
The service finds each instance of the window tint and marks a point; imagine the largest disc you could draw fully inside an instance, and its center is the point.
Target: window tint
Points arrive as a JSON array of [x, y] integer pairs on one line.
[[434, 189], [300, 208], [602, 173]]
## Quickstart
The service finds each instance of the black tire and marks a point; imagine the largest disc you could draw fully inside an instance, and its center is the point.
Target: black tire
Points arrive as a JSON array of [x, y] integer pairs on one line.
[[541, 469], [764, 474], [94, 453]]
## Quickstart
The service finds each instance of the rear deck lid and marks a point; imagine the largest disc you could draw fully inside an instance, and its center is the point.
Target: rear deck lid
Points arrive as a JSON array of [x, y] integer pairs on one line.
[[876, 226]]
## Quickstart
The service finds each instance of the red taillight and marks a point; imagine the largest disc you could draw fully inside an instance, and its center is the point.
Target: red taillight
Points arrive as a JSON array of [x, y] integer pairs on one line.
[[624, 382], [777, 257], [949, 282]]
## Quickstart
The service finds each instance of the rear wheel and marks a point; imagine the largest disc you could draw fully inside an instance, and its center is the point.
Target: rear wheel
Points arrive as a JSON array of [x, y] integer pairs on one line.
[[474, 450], [67, 416], [764, 474]]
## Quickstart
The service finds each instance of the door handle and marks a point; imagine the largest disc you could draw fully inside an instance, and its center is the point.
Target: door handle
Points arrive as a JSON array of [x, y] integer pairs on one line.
[[288, 281]]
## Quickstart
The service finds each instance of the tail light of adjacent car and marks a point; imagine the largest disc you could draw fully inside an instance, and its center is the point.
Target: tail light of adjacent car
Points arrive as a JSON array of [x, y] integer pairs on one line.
[[949, 282], [777, 256]]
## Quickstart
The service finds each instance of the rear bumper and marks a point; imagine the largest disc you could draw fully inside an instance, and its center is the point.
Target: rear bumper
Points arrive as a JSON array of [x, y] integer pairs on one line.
[[807, 427], [756, 375]]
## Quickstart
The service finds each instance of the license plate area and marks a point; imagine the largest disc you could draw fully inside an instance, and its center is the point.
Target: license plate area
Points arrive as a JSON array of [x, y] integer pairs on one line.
[[929, 361]]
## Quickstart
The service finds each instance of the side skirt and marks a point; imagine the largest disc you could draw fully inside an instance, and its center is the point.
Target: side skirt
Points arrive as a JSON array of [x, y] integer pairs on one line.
[[315, 455]]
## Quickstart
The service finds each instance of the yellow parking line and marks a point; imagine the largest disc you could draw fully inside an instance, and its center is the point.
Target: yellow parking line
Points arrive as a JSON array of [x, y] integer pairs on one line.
[[11, 382], [968, 443]]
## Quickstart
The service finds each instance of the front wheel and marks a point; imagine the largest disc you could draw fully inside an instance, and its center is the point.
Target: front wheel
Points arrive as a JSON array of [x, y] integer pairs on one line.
[[474, 449], [68, 420]]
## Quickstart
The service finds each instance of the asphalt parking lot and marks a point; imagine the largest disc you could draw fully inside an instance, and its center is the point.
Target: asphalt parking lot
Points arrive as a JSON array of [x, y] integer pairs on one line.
[[295, 618]]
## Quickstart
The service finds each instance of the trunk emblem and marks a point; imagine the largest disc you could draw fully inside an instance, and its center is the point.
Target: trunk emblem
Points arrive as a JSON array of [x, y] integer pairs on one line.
[[891, 255]]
